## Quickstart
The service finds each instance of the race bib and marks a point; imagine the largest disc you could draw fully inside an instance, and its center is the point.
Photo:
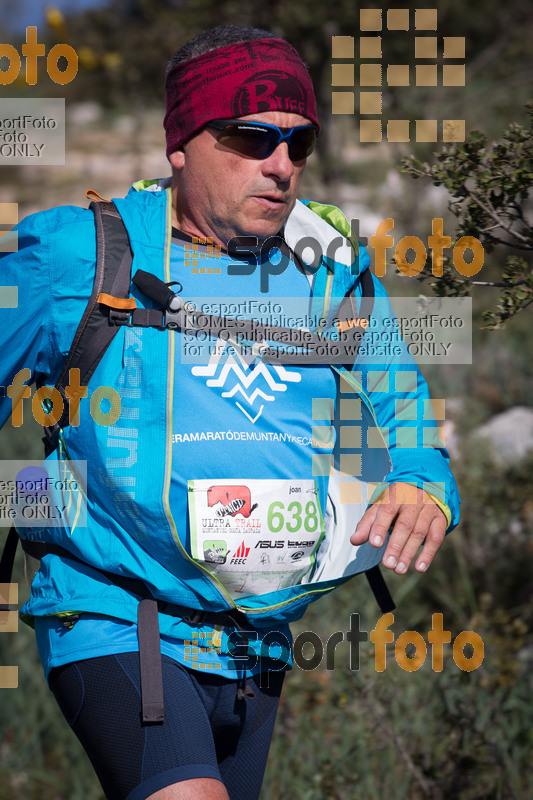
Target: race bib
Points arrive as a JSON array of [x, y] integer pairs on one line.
[[255, 536]]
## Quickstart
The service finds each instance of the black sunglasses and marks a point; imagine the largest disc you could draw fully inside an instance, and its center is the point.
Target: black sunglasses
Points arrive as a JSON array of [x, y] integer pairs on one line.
[[259, 140]]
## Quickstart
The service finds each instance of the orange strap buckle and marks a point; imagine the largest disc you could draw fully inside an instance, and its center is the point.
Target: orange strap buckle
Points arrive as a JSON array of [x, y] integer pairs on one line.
[[120, 303]]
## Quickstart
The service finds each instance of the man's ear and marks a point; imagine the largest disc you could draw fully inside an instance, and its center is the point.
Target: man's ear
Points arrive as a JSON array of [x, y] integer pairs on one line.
[[177, 159]]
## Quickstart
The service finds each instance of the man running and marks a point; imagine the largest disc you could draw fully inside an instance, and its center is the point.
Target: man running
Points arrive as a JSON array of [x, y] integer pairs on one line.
[[226, 485]]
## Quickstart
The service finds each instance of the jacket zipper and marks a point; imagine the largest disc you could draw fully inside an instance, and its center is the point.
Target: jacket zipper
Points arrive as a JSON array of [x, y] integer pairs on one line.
[[214, 582], [170, 398]]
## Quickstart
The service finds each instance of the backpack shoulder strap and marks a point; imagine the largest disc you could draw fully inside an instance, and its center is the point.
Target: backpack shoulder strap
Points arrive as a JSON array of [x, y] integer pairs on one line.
[[108, 306], [93, 335]]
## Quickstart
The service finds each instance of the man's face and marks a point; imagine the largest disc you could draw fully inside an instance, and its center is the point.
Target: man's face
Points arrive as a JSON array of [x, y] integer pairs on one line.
[[220, 193]]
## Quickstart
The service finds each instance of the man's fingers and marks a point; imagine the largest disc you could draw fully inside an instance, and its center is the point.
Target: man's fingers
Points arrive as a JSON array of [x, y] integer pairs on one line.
[[420, 527], [364, 525], [386, 515], [382, 521], [434, 539], [400, 534]]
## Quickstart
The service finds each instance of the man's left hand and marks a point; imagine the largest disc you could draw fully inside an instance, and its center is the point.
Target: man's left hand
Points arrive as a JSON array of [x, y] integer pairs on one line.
[[413, 516]]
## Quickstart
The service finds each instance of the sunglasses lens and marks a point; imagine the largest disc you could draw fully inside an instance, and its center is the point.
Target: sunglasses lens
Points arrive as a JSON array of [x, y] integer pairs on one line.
[[302, 144], [248, 142]]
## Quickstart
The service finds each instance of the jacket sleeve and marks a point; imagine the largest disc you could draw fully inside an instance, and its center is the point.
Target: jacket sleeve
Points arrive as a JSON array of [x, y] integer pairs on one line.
[[404, 411], [44, 286]]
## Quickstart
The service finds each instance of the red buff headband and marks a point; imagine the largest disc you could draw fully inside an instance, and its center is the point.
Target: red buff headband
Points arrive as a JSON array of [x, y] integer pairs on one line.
[[234, 81]]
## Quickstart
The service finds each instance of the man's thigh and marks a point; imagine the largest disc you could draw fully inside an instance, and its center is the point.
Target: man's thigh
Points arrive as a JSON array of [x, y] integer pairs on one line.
[[198, 789], [242, 728], [208, 735]]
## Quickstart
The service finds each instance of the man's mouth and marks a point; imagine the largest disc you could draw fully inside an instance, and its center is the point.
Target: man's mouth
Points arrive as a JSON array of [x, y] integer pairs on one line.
[[270, 199]]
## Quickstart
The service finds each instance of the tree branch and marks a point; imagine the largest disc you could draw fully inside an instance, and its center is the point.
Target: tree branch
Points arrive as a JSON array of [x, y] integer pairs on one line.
[[490, 211]]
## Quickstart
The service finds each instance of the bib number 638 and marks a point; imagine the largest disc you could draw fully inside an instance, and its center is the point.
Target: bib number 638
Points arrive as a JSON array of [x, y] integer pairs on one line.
[[290, 518]]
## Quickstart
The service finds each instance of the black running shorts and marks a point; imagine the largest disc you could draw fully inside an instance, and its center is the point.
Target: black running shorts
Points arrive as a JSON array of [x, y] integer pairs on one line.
[[207, 732]]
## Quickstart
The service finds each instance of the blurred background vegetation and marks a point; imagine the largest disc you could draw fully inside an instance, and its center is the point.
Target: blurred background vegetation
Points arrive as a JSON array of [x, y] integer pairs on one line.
[[341, 734]]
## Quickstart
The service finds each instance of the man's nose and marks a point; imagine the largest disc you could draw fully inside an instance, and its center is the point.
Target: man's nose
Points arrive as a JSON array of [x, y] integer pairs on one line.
[[278, 163]]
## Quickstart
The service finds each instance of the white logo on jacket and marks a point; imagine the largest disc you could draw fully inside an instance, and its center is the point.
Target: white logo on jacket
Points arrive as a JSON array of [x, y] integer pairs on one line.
[[234, 372]]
